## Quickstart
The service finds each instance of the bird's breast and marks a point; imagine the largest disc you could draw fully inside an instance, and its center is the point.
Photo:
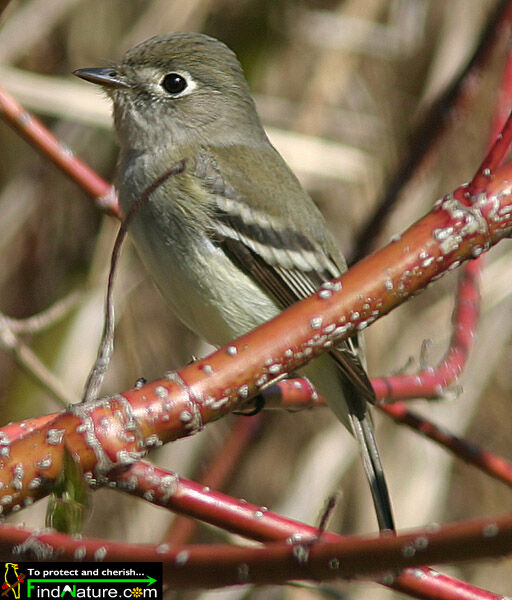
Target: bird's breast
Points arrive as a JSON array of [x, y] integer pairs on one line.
[[203, 287]]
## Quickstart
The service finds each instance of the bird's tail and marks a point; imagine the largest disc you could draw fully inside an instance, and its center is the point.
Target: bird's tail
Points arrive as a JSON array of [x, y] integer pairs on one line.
[[362, 428], [358, 393]]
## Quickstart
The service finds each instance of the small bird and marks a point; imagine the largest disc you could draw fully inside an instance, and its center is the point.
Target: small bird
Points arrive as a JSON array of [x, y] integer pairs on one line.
[[234, 238]]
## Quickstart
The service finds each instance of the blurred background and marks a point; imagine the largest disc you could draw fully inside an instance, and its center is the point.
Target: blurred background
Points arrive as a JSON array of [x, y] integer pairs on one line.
[[340, 86]]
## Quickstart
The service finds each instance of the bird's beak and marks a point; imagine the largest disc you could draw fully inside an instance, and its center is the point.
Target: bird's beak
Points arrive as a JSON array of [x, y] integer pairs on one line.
[[105, 76]]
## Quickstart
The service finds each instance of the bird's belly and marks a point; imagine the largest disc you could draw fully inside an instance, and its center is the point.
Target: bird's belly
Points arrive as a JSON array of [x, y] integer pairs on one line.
[[204, 288], [218, 302]]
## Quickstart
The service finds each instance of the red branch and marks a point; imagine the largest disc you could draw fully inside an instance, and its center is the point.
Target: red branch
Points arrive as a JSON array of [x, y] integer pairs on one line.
[[41, 138], [119, 430], [278, 562], [99, 433], [218, 471], [452, 102], [431, 382], [486, 461], [293, 394], [167, 489]]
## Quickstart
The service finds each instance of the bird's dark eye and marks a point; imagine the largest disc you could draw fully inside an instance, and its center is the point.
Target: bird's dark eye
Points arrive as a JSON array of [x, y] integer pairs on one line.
[[174, 83]]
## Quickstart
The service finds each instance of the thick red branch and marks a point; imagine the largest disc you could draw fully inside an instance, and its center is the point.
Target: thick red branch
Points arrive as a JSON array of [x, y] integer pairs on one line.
[[119, 430], [278, 562], [186, 497]]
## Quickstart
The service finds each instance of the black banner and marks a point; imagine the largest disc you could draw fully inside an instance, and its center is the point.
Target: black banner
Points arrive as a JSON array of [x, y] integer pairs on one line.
[[38, 580]]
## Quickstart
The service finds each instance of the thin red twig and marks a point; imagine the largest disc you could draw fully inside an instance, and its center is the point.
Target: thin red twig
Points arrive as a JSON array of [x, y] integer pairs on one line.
[[428, 133], [291, 397], [43, 140], [432, 381], [488, 462]]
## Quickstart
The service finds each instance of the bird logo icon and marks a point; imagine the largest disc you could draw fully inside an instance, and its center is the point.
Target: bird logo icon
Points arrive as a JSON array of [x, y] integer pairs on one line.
[[12, 580]]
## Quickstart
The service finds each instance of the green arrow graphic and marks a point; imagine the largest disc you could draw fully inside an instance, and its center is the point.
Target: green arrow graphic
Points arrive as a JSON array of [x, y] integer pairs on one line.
[[148, 580]]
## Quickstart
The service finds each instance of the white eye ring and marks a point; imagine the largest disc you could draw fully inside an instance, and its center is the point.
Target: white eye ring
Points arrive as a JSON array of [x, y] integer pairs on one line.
[[178, 83]]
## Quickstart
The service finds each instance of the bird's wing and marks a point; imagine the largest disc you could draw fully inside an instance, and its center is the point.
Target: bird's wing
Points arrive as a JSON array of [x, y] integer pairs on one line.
[[287, 285], [270, 244], [287, 264]]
